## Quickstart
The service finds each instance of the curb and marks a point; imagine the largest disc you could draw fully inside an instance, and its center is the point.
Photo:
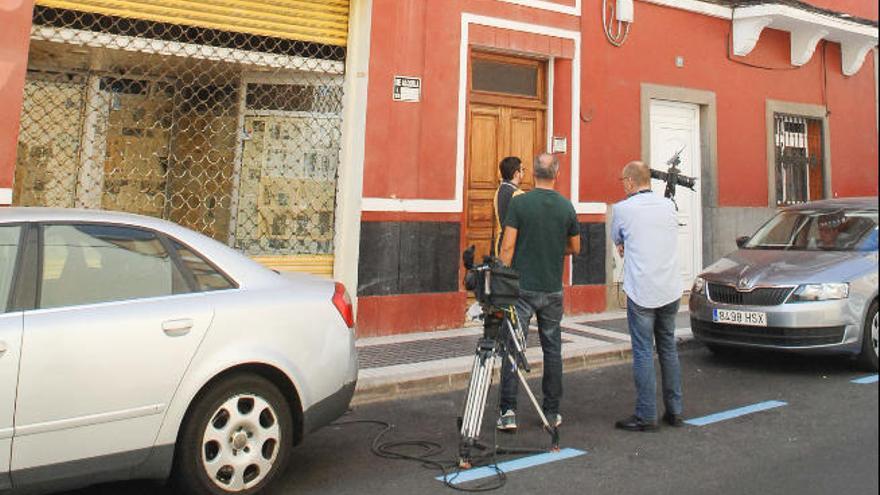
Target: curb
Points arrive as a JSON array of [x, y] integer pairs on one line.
[[458, 380]]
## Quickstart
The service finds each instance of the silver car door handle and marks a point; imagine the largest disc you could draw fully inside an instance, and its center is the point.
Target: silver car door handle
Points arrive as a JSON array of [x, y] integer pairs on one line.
[[177, 328], [3, 348]]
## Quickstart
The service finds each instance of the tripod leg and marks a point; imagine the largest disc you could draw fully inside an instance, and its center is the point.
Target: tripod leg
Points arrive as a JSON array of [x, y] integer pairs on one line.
[[517, 340], [475, 404], [552, 430]]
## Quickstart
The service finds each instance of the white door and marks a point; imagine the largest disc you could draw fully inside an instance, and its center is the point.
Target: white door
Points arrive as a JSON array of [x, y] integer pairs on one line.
[[676, 126], [10, 346], [104, 352]]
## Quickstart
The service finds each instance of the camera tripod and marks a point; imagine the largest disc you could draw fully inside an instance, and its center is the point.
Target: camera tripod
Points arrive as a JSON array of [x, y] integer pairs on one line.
[[502, 337]]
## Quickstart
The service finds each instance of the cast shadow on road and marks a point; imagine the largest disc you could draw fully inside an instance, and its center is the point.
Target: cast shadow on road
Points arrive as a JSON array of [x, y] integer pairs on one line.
[[780, 362]]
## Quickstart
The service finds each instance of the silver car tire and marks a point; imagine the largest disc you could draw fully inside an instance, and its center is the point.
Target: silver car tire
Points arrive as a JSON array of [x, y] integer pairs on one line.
[[236, 439], [868, 357]]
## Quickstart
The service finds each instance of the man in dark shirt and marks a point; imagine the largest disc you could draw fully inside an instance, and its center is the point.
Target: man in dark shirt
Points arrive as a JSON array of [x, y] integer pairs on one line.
[[512, 173], [540, 229]]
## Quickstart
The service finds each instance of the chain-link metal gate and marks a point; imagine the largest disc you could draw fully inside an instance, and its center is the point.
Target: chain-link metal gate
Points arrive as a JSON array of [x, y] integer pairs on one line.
[[234, 135]]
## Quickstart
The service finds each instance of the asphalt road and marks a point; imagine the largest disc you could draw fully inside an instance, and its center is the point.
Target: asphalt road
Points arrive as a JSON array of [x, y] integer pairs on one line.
[[825, 440]]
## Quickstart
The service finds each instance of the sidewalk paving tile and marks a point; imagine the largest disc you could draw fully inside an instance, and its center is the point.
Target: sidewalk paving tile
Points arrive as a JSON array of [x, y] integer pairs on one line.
[[382, 355], [434, 361], [682, 319]]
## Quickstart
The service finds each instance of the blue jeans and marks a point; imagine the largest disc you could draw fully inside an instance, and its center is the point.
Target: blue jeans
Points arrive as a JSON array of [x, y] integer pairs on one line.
[[646, 325], [548, 307]]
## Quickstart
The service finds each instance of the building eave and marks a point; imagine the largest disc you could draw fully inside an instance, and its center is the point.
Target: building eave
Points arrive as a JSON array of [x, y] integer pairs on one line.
[[807, 29]]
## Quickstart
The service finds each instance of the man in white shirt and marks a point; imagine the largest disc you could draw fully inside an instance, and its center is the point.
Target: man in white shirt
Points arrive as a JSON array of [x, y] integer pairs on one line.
[[645, 230]]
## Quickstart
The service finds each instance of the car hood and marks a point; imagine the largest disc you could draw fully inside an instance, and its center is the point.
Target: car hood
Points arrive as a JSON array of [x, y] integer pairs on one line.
[[748, 268]]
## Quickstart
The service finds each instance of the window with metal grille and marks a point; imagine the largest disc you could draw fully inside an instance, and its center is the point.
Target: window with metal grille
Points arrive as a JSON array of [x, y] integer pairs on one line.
[[799, 174]]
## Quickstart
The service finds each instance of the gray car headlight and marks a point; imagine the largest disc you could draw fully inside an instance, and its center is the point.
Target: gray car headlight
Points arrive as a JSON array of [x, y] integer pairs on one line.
[[820, 292], [699, 286]]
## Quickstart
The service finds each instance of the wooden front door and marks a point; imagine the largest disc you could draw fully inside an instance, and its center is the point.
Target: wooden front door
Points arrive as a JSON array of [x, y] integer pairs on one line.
[[500, 124], [497, 132]]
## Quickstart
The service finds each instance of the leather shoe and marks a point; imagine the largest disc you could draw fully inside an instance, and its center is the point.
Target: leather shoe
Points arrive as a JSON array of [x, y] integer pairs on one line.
[[673, 419], [635, 423]]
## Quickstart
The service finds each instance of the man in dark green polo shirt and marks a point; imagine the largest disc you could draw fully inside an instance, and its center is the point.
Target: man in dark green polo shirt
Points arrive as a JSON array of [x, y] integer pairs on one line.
[[540, 229]]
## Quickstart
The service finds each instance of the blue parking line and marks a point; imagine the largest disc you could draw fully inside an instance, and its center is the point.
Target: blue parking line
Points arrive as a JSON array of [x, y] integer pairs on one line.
[[512, 465], [865, 379], [735, 413]]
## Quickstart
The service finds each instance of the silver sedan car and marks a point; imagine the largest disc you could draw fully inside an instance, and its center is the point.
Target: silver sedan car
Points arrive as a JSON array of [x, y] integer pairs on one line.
[[131, 347], [806, 281]]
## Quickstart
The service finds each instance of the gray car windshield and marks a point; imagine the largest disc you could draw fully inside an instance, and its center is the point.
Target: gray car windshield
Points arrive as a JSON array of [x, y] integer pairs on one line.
[[818, 230]]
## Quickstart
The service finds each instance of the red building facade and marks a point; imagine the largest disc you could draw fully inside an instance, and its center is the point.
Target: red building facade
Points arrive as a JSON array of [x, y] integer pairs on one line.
[[771, 102]]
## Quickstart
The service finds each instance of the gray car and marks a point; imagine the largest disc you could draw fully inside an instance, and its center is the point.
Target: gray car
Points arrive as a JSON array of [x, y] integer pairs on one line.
[[806, 281]]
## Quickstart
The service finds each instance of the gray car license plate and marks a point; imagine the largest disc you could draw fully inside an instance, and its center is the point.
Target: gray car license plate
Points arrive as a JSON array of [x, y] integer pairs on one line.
[[732, 316]]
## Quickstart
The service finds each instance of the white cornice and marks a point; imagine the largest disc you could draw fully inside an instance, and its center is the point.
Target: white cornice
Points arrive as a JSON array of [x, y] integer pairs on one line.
[[786, 15], [713, 10], [551, 6], [696, 6], [807, 29]]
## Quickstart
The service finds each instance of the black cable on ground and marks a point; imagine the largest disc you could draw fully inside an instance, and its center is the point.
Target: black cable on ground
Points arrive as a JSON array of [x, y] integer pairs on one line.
[[427, 458]]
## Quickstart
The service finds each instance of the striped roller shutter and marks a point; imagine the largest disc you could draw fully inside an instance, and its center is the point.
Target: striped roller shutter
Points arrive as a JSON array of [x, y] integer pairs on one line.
[[319, 21]]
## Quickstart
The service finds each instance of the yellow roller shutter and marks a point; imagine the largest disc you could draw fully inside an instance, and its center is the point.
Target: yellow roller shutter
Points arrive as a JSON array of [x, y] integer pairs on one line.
[[319, 21], [316, 264]]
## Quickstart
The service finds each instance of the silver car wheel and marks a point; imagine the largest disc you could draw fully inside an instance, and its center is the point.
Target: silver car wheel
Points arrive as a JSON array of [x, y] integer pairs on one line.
[[241, 443], [874, 333]]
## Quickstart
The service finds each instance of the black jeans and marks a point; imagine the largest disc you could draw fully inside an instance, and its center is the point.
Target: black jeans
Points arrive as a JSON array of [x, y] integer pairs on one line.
[[548, 307]]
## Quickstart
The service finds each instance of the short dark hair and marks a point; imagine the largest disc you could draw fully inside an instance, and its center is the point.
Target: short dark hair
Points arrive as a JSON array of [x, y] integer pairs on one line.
[[509, 166]]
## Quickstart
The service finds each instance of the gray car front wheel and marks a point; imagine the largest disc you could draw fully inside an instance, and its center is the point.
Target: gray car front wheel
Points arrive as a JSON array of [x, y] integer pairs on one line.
[[868, 357], [236, 440]]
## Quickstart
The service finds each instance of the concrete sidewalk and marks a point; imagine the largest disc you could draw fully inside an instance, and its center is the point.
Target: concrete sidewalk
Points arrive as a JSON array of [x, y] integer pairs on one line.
[[420, 363]]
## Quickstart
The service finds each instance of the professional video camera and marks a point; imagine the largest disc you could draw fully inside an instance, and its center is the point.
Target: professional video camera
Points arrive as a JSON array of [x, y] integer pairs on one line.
[[673, 177], [496, 288], [493, 283]]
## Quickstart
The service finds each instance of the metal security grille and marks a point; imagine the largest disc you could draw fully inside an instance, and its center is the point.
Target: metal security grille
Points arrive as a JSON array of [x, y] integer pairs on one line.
[[762, 296], [232, 134], [799, 170]]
